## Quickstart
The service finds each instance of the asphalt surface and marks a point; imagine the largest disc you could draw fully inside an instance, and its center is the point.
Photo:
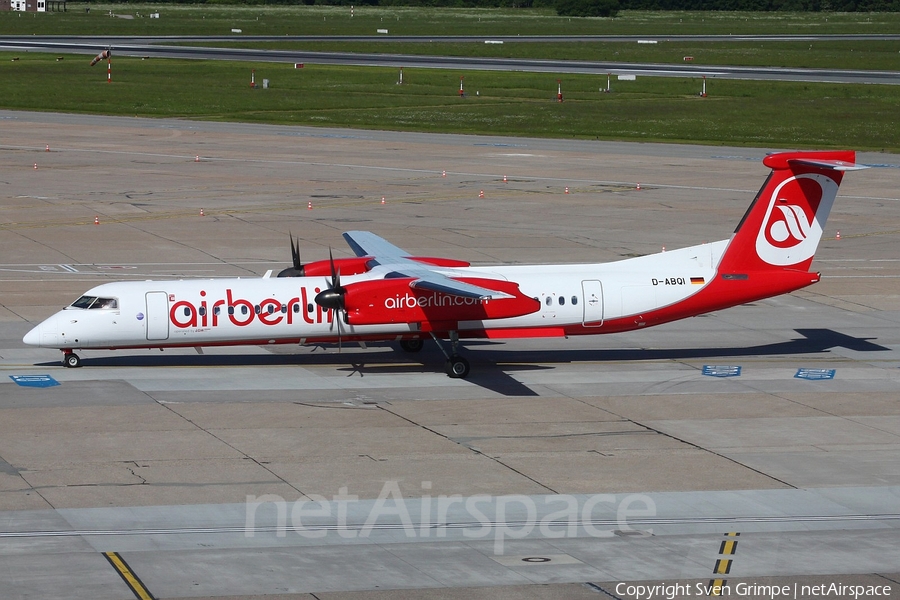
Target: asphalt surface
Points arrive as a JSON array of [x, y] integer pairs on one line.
[[560, 469]]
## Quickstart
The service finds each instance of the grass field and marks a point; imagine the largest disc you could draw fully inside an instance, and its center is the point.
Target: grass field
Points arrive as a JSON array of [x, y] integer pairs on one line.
[[770, 114], [779, 115]]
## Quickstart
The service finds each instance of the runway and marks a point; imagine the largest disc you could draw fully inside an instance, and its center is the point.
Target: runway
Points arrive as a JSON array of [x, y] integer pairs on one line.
[[753, 446], [154, 47]]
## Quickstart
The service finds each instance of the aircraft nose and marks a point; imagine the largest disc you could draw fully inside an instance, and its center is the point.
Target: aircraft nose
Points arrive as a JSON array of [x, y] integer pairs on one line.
[[33, 337], [45, 335]]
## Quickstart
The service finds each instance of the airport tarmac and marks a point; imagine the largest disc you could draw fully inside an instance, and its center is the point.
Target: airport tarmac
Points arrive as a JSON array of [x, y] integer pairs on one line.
[[561, 468]]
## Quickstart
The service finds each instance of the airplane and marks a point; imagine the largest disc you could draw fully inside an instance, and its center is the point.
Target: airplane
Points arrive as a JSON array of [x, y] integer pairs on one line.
[[385, 294]]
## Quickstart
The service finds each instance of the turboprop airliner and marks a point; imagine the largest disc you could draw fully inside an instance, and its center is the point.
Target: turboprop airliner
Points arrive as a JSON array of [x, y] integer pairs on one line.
[[386, 294]]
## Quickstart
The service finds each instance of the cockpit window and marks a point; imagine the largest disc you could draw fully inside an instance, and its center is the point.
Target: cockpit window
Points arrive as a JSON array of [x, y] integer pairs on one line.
[[84, 302], [95, 302]]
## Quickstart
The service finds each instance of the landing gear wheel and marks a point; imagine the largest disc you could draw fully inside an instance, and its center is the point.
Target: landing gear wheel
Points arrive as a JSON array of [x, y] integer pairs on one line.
[[457, 367], [412, 345], [72, 360]]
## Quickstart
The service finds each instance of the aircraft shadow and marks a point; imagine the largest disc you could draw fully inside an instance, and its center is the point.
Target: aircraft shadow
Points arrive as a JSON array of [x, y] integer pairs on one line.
[[814, 341], [484, 357]]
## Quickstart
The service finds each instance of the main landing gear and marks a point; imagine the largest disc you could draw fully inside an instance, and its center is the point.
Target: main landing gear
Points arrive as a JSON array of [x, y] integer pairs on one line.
[[456, 366], [71, 360], [412, 345]]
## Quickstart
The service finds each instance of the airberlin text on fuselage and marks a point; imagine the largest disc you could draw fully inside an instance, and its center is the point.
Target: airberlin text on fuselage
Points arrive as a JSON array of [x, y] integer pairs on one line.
[[271, 311], [240, 312], [410, 301]]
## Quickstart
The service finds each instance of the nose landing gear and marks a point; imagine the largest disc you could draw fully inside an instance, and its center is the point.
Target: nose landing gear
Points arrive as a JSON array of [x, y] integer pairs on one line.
[[71, 360]]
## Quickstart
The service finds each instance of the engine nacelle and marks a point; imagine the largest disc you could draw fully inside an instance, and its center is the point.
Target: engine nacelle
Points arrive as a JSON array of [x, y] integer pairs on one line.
[[344, 266], [394, 301]]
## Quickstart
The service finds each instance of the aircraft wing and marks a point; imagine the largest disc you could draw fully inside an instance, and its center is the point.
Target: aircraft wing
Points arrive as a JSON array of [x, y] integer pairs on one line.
[[399, 264]]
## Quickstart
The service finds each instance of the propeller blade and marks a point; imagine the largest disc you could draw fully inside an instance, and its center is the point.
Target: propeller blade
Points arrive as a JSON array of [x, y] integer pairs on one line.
[[335, 275], [295, 254], [338, 318], [296, 268]]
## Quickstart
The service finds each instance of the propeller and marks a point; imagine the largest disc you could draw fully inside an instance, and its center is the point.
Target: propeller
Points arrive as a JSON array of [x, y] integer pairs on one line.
[[296, 269], [333, 297]]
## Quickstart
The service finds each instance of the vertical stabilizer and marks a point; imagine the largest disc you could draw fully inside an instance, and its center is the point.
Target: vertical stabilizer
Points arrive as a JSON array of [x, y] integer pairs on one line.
[[782, 228]]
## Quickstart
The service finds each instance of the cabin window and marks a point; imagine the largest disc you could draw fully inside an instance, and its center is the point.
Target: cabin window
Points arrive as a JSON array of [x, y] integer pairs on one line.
[[562, 300], [296, 308], [244, 309], [202, 311], [310, 307], [216, 310], [187, 311], [230, 310], [548, 301], [271, 309], [283, 308], [574, 300]]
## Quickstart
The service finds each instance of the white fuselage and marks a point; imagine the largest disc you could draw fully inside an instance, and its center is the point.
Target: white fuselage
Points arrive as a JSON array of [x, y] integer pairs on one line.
[[213, 312]]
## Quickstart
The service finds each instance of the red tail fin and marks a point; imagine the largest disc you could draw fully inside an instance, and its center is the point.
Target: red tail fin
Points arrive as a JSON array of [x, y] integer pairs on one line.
[[782, 228]]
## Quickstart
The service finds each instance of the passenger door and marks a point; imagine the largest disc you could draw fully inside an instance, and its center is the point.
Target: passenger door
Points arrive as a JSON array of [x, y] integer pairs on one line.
[[593, 303], [157, 316]]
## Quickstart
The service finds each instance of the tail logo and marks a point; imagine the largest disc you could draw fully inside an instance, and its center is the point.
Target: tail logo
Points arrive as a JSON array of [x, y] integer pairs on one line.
[[788, 226], [792, 227]]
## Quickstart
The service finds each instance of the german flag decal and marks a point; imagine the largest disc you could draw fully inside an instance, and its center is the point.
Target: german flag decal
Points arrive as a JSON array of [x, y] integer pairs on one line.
[[697, 281]]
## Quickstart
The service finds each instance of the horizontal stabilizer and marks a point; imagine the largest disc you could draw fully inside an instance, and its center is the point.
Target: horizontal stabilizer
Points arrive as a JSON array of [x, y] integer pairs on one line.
[[835, 165]]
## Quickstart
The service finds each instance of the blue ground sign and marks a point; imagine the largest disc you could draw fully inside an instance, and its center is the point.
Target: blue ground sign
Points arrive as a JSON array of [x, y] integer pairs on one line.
[[815, 374], [39, 381], [721, 371]]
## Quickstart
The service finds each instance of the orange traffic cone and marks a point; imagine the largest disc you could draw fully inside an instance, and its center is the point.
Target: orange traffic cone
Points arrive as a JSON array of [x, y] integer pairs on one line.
[[481, 194], [638, 188], [201, 213], [309, 205], [838, 236], [96, 219]]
